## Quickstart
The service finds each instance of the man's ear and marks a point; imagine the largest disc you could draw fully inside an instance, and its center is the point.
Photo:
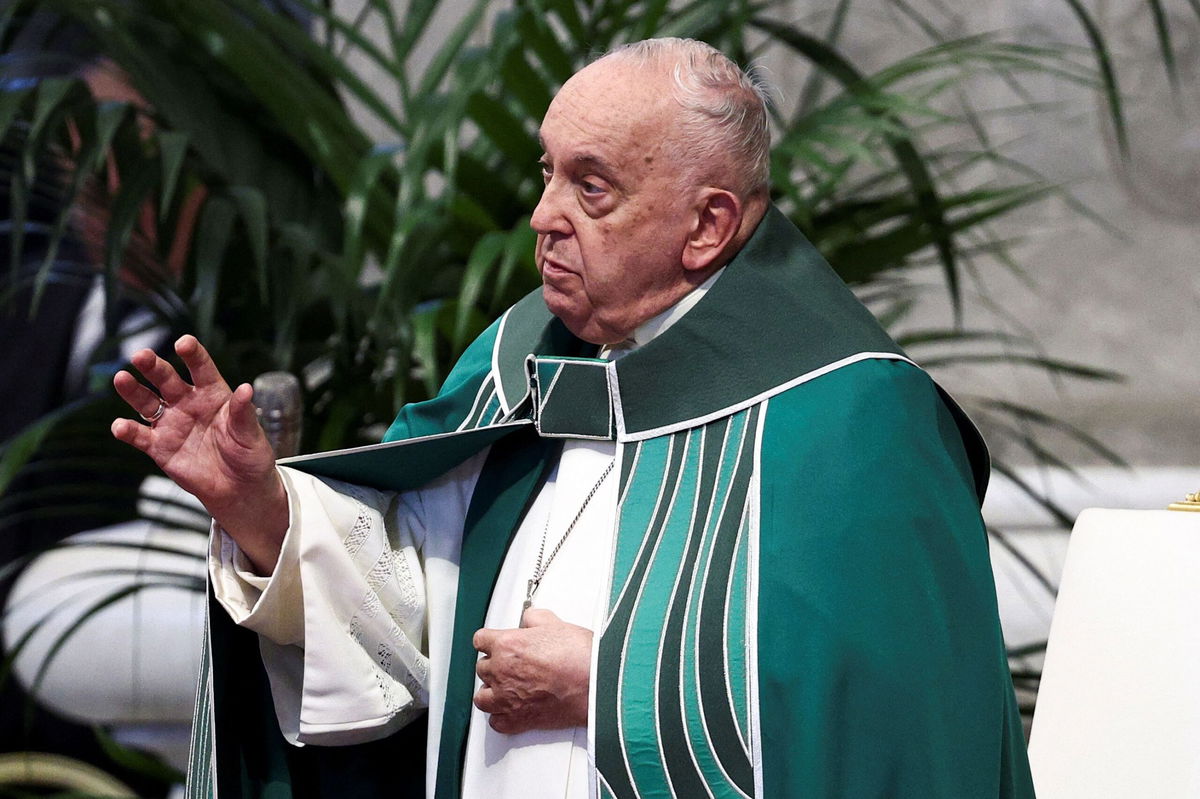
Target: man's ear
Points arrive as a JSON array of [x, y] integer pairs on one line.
[[718, 217]]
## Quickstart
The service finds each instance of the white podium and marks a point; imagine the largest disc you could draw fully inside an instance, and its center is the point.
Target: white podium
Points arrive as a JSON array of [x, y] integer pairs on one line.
[[1118, 711]]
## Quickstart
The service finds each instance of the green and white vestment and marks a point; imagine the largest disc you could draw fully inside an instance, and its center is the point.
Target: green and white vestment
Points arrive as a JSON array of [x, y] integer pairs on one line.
[[800, 596]]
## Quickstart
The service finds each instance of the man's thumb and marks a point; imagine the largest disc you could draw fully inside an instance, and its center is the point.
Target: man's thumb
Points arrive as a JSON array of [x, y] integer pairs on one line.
[[242, 418]]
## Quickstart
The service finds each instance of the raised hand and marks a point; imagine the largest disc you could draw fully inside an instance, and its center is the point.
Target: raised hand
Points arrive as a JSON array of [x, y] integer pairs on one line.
[[535, 677], [207, 439]]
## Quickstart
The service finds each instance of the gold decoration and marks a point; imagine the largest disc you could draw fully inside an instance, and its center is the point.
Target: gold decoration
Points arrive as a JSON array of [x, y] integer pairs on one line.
[[1191, 502]]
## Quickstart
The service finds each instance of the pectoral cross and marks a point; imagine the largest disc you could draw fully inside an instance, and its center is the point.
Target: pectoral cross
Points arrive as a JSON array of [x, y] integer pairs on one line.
[[530, 587]]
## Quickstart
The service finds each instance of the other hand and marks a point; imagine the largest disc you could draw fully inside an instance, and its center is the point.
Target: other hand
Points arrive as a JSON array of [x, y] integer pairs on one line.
[[535, 677], [207, 439]]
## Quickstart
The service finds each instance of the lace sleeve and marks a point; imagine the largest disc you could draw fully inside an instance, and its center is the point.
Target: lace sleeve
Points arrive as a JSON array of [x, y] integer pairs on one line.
[[341, 621]]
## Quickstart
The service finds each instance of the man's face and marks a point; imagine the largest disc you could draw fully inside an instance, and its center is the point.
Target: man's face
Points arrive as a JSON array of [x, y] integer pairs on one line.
[[616, 210]]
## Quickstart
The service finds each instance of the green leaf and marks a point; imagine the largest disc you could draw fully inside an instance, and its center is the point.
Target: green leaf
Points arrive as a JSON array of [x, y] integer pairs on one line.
[[172, 147], [1166, 47], [252, 207], [503, 129], [810, 94], [126, 213], [526, 86], [1052, 365], [652, 13], [479, 266], [540, 39], [110, 117], [905, 152], [11, 101], [366, 177], [1025, 413], [518, 249], [1108, 75], [1034, 570], [424, 346], [52, 94], [136, 761], [445, 57], [917, 338], [20, 448], [416, 21], [867, 255], [1061, 517], [568, 15], [18, 199], [299, 40], [213, 233]]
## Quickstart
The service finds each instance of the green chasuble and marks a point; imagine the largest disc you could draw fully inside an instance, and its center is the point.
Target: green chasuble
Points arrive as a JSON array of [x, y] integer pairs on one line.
[[800, 600]]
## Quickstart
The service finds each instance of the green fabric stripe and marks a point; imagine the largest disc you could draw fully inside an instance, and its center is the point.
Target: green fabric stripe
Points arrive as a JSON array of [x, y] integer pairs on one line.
[[701, 747], [719, 717], [486, 393], [640, 507], [630, 453], [736, 674], [686, 780], [645, 643], [515, 467], [494, 410], [697, 659], [610, 752]]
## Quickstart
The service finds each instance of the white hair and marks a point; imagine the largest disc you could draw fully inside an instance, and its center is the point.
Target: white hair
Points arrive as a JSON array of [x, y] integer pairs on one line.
[[724, 125]]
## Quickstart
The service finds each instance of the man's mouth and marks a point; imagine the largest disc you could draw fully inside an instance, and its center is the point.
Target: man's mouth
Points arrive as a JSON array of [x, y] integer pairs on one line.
[[552, 269]]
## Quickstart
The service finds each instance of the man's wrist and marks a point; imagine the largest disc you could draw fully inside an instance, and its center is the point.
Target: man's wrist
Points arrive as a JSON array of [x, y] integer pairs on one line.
[[257, 521]]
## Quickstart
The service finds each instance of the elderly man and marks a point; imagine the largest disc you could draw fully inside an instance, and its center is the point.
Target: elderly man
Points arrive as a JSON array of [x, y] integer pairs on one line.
[[684, 523]]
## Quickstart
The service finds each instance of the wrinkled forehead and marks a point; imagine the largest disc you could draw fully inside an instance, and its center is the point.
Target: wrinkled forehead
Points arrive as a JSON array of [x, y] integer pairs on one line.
[[615, 102]]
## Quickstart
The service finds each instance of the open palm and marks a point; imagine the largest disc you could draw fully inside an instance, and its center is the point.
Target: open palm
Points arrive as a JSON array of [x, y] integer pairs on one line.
[[208, 441]]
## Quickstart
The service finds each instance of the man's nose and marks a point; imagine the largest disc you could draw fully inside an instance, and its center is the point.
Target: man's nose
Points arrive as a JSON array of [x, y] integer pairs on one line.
[[548, 216]]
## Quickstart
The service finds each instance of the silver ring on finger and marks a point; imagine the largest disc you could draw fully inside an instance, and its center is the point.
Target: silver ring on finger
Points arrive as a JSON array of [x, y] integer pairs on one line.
[[158, 412]]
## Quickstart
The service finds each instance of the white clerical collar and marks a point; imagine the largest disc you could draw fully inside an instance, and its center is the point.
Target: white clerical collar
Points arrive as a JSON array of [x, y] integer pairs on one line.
[[656, 325]]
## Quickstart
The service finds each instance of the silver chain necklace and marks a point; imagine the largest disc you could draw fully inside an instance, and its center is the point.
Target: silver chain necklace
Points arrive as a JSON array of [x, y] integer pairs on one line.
[[539, 571]]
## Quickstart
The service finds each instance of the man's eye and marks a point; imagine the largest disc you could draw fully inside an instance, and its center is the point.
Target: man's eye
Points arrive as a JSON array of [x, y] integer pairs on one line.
[[590, 188], [546, 173]]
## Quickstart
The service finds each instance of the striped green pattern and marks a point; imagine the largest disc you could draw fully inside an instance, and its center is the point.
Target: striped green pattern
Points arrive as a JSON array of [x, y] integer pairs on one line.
[[486, 409], [672, 715], [202, 764]]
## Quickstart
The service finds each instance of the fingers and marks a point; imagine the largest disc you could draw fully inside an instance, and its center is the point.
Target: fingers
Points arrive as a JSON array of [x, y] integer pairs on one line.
[[242, 415], [162, 375], [140, 398], [200, 365], [484, 640], [485, 667], [132, 433], [486, 700], [505, 717], [507, 724]]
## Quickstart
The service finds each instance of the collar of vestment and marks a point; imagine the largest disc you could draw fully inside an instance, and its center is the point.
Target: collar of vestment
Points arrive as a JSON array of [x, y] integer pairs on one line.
[[778, 315]]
